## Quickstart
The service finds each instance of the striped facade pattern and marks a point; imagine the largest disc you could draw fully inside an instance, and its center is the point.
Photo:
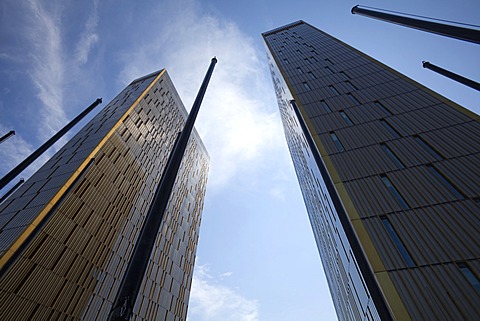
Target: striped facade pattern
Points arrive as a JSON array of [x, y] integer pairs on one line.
[[405, 163], [69, 231]]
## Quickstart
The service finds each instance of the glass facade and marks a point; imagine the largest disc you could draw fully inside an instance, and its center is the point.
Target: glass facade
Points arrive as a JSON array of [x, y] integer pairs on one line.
[[67, 234], [392, 219]]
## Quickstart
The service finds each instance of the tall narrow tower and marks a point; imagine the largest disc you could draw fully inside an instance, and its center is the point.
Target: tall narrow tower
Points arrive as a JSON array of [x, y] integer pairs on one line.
[[67, 234], [390, 176]]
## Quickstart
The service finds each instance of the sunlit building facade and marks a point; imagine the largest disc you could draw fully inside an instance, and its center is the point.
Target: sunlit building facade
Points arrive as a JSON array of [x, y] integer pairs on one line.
[[390, 175], [67, 234]]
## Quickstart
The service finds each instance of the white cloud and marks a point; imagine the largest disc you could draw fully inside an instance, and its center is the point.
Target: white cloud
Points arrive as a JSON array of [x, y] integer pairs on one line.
[[89, 36], [48, 73], [238, 128], [212, 301]]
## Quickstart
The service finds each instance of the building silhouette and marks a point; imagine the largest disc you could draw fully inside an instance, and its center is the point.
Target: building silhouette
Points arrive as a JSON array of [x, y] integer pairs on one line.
[[390, 176], [67, 234]]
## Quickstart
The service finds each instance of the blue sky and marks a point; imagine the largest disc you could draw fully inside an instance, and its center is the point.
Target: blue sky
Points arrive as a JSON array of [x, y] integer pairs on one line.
[[256, 258]]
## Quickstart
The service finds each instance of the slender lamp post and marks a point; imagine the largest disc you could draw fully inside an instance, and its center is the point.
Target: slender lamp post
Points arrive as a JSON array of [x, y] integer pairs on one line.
[[7, 136], [122, 307], [30, 159], [461, 33], [467, 82]]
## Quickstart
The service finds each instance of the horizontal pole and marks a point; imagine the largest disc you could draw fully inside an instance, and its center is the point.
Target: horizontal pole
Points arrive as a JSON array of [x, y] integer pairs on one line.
[[461, 33], [467, 82]]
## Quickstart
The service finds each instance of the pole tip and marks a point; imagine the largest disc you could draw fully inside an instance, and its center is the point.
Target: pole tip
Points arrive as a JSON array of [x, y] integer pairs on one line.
[[353, 9], [99, 100], [214, 59], [424, 64]]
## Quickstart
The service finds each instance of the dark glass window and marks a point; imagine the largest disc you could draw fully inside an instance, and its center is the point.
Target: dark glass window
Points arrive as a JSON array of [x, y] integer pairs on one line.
[[392, 155], [312, 75], [394, 191], [329, 61], [468, 273], [313, 58], [335, 91], [445, 181], [398, 242], [429, 148], [345, 116], [393, 132], [353, 99], [307, 87], [306, 59], [329, 70], [300, 71], [381, 106], [345, 74], [350, 85], [286, 61], [337, 142], [325, 105]]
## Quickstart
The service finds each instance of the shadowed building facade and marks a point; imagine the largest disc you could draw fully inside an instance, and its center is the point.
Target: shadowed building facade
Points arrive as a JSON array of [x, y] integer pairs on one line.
[[390, 176], [67, 234]]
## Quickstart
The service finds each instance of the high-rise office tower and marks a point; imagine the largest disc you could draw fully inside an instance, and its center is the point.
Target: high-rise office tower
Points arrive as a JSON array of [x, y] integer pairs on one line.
[[67, 234], [390, 175]]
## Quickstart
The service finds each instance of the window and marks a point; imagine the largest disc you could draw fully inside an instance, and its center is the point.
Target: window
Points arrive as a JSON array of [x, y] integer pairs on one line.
[[307, 87], [300, 71], [312, 75], [286, 61], [394, 191], [281, 53], [350, 85], [344, 116], [329, 70], [392, 131], [397, 241], [392, 155], [335, 91], [343, 73], [329, 61], [429, 148], [306, 59], [313, 58], [337, 142], [468, 273], [445, 181], [325, 106], [381, 106], [353, 99]]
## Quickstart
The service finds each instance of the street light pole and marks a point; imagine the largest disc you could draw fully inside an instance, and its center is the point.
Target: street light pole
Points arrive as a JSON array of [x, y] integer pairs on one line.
[[122, 307]]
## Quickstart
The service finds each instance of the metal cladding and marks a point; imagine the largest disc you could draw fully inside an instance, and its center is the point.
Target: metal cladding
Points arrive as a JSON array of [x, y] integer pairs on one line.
[[389, 173], [67, 234]]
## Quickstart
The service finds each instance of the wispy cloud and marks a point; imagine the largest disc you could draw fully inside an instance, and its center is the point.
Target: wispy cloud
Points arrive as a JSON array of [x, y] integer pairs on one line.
[[89, 37], [48, 72], [210, 300], [234, 122]]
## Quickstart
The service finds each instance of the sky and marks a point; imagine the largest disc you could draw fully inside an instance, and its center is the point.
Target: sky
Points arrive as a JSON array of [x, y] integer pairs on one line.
[[256, 258]]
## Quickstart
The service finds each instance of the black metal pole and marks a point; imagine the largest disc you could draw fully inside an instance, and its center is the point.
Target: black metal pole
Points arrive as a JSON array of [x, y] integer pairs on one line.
[[7, 136], [367, 273], [461, 33], [13, 189], [467, 82], [122, 307], [30, 159]]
